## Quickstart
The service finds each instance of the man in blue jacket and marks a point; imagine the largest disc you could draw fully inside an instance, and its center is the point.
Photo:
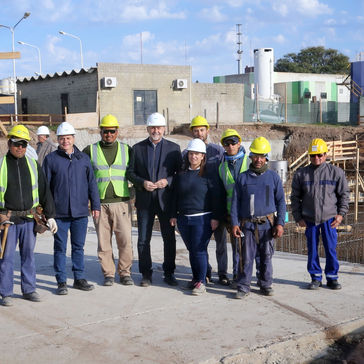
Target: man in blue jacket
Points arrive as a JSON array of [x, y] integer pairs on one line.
[[258, 211], [72, 183]]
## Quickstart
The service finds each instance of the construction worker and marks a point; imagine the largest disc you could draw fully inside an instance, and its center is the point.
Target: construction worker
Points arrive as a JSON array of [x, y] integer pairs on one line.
[[214, 156], [72, 183], [197, 210], [44, 145], [22, 187], [319, 201], [155, 163], [258, 211], [235, 161], [109, 159]]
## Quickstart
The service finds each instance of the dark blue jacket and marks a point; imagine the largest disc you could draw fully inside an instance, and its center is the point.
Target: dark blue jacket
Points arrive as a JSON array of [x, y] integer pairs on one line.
[[194, 194], [139, 168], [257, 195], [72, 183]]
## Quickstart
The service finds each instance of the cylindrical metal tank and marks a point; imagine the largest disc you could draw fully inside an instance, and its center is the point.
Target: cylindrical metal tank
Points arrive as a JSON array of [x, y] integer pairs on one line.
[[263, 72], [6, 86], [281, 167]]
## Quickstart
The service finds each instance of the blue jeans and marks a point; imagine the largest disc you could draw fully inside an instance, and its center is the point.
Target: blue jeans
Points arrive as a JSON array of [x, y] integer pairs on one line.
[[145, 226], [196, 233], [78, 230], [329, 240], [24, 233]]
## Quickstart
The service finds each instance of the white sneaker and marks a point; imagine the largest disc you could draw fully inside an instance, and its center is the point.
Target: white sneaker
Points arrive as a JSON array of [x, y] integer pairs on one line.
[[199, 289]]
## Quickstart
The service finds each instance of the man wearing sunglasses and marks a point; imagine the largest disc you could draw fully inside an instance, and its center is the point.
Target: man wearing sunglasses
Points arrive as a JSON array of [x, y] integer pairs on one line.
[[22, 188], [214, 156], [235, 162], [110, 158], [319, 201]]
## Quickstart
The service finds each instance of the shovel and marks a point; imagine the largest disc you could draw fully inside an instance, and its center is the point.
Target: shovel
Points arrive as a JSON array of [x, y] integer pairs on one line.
[[5, 236]]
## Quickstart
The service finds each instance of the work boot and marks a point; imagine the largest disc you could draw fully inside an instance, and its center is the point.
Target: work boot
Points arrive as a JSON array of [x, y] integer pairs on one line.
[[170, 279], [334, 284], [62, 289], [108, 281], [126, 281], [33, 296], [7, 301], [266, 291], [241, 294], [224, 280], [83, 285], [315, 284], [146, 281]]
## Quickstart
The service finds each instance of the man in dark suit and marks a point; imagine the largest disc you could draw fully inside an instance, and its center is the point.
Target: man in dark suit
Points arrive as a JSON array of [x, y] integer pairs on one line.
[[153, 164]]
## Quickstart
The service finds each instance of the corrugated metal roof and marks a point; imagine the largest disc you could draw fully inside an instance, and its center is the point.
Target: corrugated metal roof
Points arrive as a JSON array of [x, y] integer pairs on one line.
[[57, 74]]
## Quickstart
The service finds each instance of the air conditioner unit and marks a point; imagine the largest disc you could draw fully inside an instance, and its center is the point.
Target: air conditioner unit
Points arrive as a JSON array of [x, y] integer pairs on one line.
[[180, 83], [109, 82]]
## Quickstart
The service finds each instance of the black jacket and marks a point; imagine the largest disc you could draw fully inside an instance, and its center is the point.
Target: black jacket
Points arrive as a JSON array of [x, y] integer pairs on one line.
[[18, 195], [137, 172]]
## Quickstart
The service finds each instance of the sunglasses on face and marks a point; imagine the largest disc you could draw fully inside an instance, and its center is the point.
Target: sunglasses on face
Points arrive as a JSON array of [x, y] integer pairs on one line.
[[317, 155], [109, 131], [229, 142], [21, 143]]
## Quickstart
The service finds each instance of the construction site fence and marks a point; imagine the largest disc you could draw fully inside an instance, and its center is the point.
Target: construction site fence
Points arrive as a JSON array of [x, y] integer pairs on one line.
[[328, 112], [32, 119], [350, 246]]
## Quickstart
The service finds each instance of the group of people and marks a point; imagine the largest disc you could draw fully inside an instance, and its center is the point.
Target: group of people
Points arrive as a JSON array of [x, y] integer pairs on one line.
[[207, 189]]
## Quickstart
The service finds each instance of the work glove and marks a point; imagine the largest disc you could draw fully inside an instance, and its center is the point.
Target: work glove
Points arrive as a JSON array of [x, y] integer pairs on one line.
[[52, 225]]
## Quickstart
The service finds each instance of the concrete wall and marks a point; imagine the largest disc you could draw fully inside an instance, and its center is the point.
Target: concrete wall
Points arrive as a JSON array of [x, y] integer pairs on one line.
[[222, 102], [44, 95], [119, 101], [83, 120]]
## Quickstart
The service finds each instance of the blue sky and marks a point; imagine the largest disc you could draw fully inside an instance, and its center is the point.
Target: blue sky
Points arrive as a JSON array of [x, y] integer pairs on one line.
[[200, 33]]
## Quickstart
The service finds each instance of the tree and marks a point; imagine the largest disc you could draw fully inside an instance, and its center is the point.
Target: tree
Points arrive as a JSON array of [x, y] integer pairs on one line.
[[314, 60]]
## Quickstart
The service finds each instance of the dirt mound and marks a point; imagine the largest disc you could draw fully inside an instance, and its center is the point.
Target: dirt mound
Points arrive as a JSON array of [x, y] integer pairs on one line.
[[296, 137]]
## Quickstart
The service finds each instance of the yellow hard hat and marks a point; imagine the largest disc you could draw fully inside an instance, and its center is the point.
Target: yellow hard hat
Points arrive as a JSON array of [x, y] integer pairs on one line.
[[230, 133], [199, 121], [20, 132], [109, 121], [260, 145], [317, 146]]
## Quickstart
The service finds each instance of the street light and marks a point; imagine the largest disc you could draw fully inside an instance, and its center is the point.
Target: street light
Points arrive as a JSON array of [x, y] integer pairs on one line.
[[14, 74], [39, 58], [74, 36]]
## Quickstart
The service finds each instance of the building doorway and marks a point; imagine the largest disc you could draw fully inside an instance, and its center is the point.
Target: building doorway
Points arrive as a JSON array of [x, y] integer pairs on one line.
[[145, 103], [64, 104]]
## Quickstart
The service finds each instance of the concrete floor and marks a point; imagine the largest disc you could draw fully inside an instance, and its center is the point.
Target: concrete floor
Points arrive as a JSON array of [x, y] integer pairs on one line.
[[162, 324]]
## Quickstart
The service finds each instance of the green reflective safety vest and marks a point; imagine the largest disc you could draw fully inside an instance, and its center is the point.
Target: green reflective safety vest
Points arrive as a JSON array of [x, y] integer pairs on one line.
[[33, 170], [228, 179], [115, 173]]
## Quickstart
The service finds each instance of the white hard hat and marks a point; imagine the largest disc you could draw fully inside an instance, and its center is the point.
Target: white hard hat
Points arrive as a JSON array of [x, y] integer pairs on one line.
[[42, 130], [196, 145], [65, 129], [156, 119]]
